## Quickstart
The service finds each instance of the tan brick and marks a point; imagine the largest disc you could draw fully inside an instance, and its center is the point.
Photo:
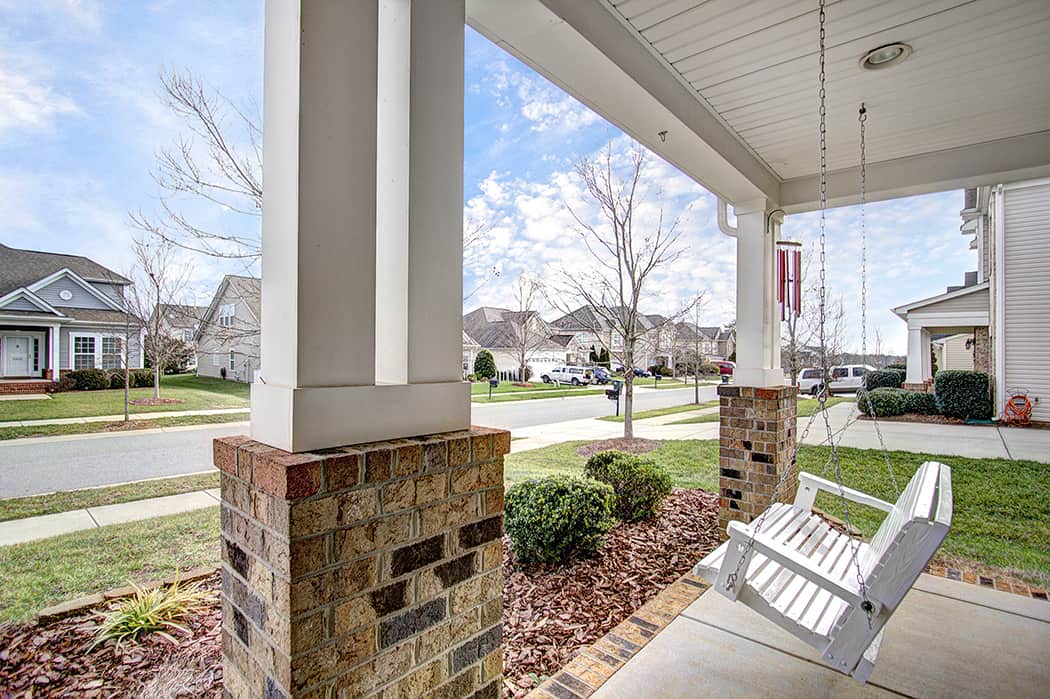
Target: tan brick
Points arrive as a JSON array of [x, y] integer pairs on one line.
[[343, 470], [399, 495], [433, 641], [494, 501], [409, 460], [481, 447], [357, 505], [501, 443], [309, 632], [492, 555], [417, 683], [353, 614], [379, 465], [372, 536], [466, 595], [312, 516], [492, 665], [430, 488], [308, 555], [466, 479], [491, 612], [458, 451]]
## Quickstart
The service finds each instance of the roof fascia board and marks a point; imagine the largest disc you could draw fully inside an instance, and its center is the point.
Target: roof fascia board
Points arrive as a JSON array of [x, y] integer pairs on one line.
[[32, 298]]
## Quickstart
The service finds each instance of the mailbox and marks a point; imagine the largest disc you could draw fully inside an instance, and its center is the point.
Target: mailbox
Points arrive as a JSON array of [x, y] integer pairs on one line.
[[493, 383], [614, 392]]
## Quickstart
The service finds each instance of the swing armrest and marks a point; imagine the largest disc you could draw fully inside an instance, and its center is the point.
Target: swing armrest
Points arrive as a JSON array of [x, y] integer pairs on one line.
[[809, 485], [739, 535]]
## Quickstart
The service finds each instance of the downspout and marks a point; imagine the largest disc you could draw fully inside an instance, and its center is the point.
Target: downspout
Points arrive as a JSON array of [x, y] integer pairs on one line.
[[723, 218]]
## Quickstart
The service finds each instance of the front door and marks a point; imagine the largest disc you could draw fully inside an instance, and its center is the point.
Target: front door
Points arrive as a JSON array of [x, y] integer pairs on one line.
[[16, 356]]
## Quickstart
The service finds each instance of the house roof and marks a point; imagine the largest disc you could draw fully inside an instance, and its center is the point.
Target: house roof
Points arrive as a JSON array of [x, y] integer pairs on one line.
[[497, 328], [19, 268], [903, 311], [182, 311], [248, 289], [469, 341]]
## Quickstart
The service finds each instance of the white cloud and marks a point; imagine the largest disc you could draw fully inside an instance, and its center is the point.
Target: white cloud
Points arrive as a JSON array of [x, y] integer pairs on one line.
[[27, 101]]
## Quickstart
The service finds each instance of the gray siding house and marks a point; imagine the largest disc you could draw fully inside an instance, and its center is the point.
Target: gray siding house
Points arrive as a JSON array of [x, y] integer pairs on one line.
[[58, 313], [228, 336]]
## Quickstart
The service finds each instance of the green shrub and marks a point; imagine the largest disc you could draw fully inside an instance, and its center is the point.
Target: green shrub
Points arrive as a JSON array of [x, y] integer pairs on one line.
[[142, 378], [484, 365], [963, 394], [62, 385], [921, 403], [553, 519], [89, 379], [639, 485], [472, 377], [116, 379], [883, 402], [883, 378]]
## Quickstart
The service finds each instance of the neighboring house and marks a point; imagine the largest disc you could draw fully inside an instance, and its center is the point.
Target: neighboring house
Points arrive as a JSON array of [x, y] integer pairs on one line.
[[470, 353], [1003, 305], [715, 342], [60, 312], [655, 345], [228, 337], [498, 330], [180, 322], [953, 351]]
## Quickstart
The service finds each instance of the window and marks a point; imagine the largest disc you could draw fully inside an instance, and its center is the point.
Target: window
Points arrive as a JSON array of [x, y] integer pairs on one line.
[[83, 352], [232, 360], [840, 373], [36, 354], [811, 374], [226, 315], [216, 360], [860, 371], [187, 335], [111, 352]]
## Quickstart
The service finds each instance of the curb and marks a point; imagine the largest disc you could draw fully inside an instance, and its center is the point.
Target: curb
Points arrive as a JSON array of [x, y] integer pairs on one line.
[[79, 604]]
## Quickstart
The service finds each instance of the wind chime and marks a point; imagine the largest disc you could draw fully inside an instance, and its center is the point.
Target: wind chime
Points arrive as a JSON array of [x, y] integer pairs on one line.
[[789, 278]]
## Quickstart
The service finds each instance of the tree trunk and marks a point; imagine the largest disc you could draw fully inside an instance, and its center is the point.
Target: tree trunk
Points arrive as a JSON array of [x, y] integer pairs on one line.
[[628, 394], [156, 380], [696, 385]]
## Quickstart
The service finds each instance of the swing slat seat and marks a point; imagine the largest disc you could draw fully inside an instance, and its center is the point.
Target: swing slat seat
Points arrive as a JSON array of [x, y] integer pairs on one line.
[[805, 576]]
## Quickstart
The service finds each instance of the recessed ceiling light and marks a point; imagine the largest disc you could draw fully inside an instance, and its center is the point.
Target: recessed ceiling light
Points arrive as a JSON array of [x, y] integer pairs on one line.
[[885, 56]]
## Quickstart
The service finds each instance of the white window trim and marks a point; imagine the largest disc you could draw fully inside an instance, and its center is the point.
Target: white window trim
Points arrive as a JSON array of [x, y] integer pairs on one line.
[[233, 361], [98, 348]]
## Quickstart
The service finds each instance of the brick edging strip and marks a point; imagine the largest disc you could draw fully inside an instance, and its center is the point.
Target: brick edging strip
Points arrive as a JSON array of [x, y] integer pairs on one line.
[[593, 665], [79, 604], [1002, 584]]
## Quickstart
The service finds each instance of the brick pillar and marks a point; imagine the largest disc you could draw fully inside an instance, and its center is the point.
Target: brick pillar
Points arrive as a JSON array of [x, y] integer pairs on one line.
[[756, 438], [982, 348], [368, 570]]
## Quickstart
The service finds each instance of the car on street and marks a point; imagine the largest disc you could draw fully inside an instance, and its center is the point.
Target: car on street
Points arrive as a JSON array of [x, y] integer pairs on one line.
[[809, 381], [845, 378], [601, 375], [725, 367], [575, 375]]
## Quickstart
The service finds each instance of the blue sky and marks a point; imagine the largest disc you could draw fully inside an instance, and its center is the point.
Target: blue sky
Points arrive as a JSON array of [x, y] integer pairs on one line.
[[81, 120]]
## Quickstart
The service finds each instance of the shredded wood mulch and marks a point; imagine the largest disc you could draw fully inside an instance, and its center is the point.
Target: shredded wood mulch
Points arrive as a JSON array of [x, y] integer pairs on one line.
[[634, 445], [917, 417], [57, 660], [550, 613]]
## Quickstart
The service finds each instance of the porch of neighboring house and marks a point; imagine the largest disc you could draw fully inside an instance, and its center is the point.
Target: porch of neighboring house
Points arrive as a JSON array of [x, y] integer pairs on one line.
[[27, 355], [351, 544]]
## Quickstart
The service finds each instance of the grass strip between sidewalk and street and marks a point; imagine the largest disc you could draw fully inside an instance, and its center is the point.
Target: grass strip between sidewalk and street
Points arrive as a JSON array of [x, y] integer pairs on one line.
[[38, 574], [1002, 507], [129, 426], [806, 408], [64, 501], [657, 412], [536, 395]]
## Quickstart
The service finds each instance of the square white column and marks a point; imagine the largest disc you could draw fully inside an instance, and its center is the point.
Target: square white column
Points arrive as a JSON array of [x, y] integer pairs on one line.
[[362, 223], [757, 320]]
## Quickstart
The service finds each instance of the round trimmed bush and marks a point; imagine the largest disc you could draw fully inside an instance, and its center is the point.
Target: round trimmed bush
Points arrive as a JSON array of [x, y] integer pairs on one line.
[[142, 378], [553, 519], [883, 378], [639, 485], [963, 394], [485, 365], [883, 402], [116, 379], [921, 403], [89, 379]]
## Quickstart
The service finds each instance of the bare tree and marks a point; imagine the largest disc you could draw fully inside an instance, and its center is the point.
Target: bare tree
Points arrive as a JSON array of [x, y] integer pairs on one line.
[[159, 281], [612, 289], [530, 332], [800, 336], [698, 336], [476, 235]]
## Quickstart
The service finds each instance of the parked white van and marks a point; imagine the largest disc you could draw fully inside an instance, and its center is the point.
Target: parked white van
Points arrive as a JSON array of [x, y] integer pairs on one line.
[[844, 378], [575, 375]]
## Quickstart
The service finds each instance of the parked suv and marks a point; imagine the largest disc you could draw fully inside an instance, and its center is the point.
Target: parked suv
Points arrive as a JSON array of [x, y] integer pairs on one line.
[[809, 381], [575, 375], [845, 378]]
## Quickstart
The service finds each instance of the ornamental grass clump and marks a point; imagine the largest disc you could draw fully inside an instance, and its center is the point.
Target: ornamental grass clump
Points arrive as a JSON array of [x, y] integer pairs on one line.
[[639, 485], [158, 611], [554, 519]]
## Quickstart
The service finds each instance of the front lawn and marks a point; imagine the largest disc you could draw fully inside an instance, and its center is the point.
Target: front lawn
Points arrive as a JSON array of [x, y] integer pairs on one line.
[[530, 394], [41, 573], [121, 426], [196, 392], [806, 408], [36, 505], [657, 412], [1002, 507]]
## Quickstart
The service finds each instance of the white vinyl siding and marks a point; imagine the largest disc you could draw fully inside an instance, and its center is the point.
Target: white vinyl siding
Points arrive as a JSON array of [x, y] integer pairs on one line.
[[1026, 297]]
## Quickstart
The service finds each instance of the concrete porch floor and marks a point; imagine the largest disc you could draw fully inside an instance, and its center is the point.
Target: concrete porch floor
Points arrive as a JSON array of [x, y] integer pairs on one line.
[[947, 639]]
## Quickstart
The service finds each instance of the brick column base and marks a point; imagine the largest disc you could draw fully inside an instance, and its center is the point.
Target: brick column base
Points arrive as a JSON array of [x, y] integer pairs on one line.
[[756, 439], [370, 570]]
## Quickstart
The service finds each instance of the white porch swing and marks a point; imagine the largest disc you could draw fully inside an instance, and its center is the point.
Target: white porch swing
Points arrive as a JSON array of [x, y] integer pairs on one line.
[[823, 586]]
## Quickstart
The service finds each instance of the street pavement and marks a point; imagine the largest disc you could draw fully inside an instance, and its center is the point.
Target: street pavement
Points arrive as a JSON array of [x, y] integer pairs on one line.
[[35, 466]]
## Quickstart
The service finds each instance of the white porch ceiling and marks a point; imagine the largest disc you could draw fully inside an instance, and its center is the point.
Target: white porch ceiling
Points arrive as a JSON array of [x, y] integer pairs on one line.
[[970, 106]]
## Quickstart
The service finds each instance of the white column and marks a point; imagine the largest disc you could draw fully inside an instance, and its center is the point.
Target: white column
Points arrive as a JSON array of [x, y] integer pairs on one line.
[[915, 365], [53, 344], [925, 353], [361, 294], [757, 318]]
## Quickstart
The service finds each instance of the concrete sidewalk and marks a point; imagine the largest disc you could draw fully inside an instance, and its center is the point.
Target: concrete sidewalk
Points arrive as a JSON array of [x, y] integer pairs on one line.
[[116, 418], [19, 531]]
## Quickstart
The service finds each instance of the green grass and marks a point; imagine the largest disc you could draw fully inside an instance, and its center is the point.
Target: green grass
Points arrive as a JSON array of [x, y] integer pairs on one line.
[[92, 427], [666, 383], [1002, 508], [657, 412], [41, 573], [35, 505], [481, 388], [553, 392], [196, 392], [806, 408]]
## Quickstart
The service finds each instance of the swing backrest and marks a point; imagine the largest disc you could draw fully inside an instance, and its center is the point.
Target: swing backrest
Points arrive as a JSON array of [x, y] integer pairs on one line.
[[910, 534]]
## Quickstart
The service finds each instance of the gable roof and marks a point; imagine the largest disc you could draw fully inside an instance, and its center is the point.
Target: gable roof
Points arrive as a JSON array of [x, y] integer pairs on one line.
[[497, 328], [20, 268], [175, 312], [248, 289], [904, 310]]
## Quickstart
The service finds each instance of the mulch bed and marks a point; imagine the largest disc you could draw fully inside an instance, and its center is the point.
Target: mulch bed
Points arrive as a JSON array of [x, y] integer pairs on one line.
[[156, 401], [917, 417], [551, 613], [631, 446], [57, 660]]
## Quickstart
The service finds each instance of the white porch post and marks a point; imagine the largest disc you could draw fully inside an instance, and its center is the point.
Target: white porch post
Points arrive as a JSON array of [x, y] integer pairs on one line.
[[53, 342], [925, 352], [915, 370], [361, 294], [757, 322]]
